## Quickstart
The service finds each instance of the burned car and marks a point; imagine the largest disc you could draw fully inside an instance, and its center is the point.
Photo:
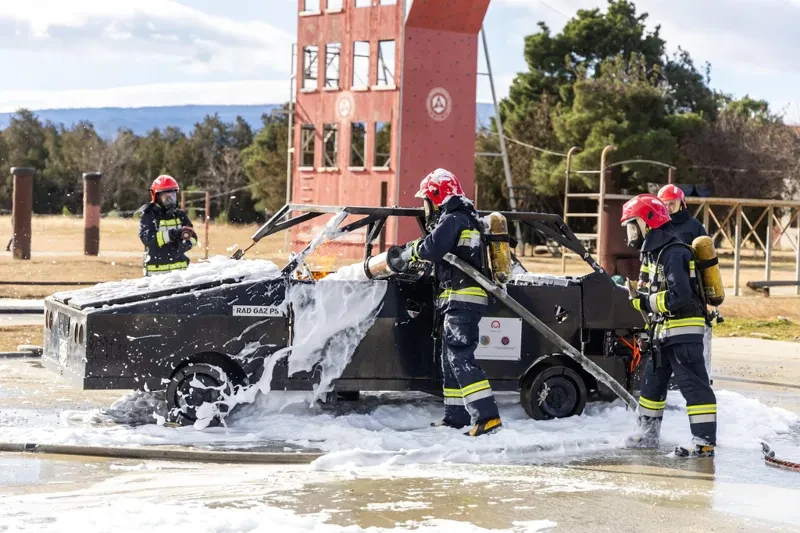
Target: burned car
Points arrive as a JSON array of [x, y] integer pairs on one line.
[[196, 335]]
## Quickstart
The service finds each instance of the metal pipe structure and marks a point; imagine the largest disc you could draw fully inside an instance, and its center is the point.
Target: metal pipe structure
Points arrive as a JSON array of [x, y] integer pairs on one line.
[[768, 252], [797, 257], [207, 222], [737, 251], [602, 198], [92, 197], [21, 211], [567, 173]]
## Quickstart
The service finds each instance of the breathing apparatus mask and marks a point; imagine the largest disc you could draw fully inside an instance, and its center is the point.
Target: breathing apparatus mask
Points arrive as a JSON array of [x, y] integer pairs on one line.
[[636, 232], [168, 199], [431, 214]]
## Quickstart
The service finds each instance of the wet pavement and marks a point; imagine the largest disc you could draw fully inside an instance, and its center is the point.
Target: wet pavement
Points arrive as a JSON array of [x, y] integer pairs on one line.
[[617, 490]]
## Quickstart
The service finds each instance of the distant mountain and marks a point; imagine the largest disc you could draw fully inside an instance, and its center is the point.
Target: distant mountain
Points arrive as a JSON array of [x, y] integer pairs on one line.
[[108, 120]]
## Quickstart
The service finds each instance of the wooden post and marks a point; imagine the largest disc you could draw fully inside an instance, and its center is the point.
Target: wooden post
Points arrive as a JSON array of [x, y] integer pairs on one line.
[[737, 251], [183, 201], [207, 221], [22, 211], [706, 217], [671, 175], [92, 196], [768, 265]]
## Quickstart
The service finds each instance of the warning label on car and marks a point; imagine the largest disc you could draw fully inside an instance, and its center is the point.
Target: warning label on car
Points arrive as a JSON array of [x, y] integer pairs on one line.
[[258, 310], [500, 339]]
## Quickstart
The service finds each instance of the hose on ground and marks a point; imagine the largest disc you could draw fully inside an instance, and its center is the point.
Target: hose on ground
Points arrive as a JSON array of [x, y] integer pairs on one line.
[[204, 456], [769, 457]]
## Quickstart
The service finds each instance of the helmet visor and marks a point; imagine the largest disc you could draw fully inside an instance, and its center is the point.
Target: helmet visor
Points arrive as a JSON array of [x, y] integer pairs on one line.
[[168, 199]]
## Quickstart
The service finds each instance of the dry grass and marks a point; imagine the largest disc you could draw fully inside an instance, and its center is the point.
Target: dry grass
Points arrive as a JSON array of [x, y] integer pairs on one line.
[[13, 336], [781, 330]]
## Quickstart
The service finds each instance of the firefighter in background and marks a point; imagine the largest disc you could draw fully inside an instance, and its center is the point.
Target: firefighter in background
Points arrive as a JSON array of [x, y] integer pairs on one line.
[[455, 228], [688, 229], [165, 230], [677, 323]]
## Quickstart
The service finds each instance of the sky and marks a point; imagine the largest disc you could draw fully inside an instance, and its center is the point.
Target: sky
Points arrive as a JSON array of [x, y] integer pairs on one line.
[[131, 53]]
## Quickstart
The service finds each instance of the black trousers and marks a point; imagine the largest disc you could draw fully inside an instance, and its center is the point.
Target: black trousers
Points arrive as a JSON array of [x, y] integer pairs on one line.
[[468, 397], [687, 362]]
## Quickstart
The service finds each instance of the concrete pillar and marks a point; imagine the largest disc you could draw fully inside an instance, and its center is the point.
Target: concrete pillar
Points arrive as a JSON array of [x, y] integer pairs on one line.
[[21, 211], [92, 196]]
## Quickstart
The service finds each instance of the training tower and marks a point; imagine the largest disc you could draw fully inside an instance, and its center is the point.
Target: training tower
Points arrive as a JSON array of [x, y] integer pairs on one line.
[[384, 92]]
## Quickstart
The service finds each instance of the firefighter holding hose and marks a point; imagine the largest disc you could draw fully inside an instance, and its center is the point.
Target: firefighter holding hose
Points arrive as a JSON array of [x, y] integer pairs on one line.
[[455, 228], [678, 318], [165, 230]]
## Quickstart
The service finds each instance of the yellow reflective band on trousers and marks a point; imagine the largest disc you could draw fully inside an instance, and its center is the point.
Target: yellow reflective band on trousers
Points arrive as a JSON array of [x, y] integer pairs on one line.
[[472, 295], [702, 414], [681, 326], [470, 238], [470, 393], [651, 408], [172, 266]]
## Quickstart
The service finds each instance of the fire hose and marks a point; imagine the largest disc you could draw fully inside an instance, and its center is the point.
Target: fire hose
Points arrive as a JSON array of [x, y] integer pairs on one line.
[[598, 373], [771, 460]]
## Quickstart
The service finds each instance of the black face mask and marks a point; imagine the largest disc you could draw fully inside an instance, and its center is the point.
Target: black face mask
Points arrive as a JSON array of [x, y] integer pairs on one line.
[[168, 200], [634, 237], [431, 214]]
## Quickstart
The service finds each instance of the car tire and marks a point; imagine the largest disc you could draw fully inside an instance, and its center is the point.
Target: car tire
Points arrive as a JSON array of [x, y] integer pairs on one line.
[[183, 397], [555, 392]]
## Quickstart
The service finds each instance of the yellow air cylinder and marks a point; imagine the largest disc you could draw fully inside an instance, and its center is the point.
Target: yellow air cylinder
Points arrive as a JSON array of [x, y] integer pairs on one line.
[[498, 247], [712, 277]]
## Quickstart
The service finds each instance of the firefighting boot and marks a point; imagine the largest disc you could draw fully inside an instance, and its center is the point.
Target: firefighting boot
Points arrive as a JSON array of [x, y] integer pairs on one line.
[[696, 449], [646, 436], [484, 427]]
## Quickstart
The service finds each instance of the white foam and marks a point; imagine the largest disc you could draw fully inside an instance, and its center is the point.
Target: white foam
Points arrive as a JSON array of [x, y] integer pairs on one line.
[[392, 429], [216, 268]]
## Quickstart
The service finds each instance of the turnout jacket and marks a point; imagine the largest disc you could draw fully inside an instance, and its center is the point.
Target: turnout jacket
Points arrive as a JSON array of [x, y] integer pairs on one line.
[[674, 296], [459, 232], [686, 227], [163, 253]]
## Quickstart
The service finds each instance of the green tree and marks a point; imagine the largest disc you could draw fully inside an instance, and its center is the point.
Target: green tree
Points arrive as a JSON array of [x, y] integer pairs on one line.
[[605, 78], [265, 163]]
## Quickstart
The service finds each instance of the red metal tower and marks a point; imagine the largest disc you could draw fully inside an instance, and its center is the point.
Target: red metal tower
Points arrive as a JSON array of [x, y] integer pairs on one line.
[[385, 93]]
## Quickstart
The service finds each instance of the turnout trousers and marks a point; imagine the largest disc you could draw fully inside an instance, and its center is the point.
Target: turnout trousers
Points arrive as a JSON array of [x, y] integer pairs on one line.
[[468, 397], [687, 362]]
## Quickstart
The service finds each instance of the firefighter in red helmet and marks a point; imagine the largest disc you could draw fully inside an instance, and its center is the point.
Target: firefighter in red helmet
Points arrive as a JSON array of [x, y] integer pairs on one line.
[[454, 227], [677, 321], [165, 230]]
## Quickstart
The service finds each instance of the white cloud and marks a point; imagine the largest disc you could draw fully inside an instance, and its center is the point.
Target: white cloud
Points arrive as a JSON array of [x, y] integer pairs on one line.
[[198, 42], [162, 94]]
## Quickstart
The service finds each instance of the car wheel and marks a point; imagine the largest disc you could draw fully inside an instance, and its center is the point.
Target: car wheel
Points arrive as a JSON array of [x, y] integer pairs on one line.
[[555, 392], [192, 386]]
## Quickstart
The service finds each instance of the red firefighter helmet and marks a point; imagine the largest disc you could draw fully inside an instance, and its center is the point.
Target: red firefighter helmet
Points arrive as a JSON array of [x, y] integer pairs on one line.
[[648, 208], [439, 186], [670, 192], [163, 183]]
